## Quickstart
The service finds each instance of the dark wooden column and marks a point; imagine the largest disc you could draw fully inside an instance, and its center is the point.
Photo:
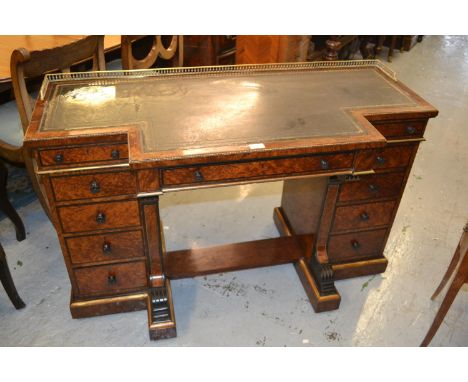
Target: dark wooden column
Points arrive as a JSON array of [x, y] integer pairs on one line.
[[161, 318]]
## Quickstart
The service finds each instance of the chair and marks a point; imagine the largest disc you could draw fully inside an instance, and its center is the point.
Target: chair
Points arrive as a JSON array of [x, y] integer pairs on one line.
[[174, 52], [26, 65], [459, 266]]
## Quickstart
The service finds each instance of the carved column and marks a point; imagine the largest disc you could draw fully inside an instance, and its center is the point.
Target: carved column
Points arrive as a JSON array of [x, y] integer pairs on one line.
[[333, 46]]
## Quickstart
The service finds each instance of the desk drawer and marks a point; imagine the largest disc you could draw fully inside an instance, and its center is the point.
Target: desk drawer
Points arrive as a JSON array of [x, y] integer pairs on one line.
[[342, 248], [115, 278], [372, 187], [84, 155], [107, 247], [257, 169], [93, 186], [389, 157], [401, 129], [363, 216], [90, 217]]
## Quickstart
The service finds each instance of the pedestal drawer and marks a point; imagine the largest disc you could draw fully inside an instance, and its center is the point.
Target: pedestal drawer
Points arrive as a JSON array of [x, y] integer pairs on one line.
[[389, 157], [93, 185], [106, 247], [90, 217], [372, 187], [257, 169], [357, 246], [362, 216], [111, 278], [84, 154], [401, 129]]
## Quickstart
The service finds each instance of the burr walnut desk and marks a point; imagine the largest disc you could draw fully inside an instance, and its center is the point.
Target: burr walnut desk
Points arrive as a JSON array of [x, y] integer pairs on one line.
[[342, 136]]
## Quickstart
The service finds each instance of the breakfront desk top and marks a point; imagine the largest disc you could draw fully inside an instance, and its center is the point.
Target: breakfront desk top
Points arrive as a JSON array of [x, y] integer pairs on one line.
[[183, 113], [106, 145]]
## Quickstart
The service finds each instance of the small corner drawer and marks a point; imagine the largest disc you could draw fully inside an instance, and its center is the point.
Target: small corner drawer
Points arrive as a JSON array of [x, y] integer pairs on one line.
[[401, 129], [111, 153], [75, 187], [362, 216], [257, 169], [372, 187], [90, 217], [107, 247], [388, 157], [105, 279], [355, 246]]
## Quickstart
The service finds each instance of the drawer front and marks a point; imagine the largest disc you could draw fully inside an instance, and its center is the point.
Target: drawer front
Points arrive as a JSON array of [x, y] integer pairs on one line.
[[401, 129], [389, 157], [93, 186], [111, 278], [372, 187], [363, 216], [107, 247], [257, 169], [356, 246], [90, 217], [85, 154]]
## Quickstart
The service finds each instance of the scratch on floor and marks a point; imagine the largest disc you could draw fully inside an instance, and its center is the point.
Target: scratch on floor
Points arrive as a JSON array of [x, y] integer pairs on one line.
[[332, 336], [366, 284], [226, 290]]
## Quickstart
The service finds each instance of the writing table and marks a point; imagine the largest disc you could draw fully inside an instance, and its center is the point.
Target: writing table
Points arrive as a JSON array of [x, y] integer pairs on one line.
[[342, 136]]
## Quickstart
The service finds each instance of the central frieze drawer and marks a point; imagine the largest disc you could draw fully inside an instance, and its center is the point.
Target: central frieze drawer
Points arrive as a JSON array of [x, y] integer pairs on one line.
[[363, 216], [111, 278], [257, 169], [106, 247], [94, 186], [90, 217]]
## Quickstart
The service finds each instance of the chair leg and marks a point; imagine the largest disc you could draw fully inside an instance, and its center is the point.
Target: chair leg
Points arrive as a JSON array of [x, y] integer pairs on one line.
[[378, 46], [459, 279], [6, 206], [7, 281], [449, 272], [391, 48]]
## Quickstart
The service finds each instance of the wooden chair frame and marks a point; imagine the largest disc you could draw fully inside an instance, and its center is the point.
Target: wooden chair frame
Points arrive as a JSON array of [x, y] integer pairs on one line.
[[175, 51], [25, 65], [459, 266]]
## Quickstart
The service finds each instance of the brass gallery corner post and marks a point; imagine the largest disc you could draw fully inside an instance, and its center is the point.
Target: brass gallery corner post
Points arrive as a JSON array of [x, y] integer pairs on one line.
[[342, 136]]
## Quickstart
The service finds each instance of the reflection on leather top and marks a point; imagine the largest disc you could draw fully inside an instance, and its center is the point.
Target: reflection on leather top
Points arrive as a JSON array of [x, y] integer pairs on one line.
[[188, 113]]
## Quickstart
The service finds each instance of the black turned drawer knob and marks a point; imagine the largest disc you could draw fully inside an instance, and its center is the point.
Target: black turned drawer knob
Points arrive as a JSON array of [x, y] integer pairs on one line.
[[364, 216], [115, 154], [111, 279], [380, 159], [373, 188], [324, 164], [355, 244], [106, 247], [410, 129], [58, 158], [94, 187], [101, 218], [198, 176]]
